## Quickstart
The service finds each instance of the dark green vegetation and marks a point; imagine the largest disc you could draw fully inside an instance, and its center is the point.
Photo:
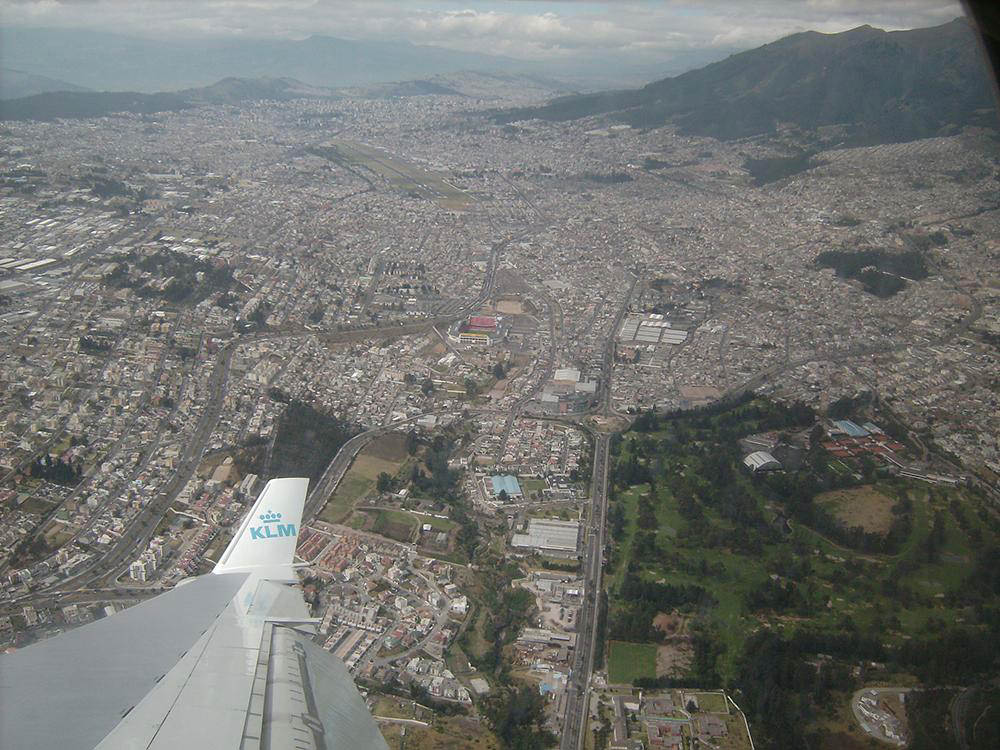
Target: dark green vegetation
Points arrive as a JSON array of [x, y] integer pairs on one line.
[[774, 168], [306, 442], [441, 484], [517, 716], [168, 275], [924, 713], [881, 272], [785, 601], [981, 719], [58, 471], [882, 87], [514, 711]]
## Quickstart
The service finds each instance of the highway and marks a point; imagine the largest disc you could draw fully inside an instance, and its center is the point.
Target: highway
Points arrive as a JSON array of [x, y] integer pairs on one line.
[[578, 689]]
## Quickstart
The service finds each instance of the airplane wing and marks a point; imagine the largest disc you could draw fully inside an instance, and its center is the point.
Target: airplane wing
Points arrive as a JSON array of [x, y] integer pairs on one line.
[[225, 661]]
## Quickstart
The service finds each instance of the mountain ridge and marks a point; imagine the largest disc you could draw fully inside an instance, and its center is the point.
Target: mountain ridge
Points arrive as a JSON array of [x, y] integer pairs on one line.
[[881, 86]]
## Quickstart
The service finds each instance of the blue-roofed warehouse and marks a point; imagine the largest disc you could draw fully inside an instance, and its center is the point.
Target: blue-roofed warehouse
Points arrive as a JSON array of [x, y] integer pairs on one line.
[[506, 483], [852, 429]]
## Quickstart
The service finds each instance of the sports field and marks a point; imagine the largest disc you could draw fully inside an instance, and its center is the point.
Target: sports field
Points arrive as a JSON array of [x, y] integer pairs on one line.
[[629, 661]]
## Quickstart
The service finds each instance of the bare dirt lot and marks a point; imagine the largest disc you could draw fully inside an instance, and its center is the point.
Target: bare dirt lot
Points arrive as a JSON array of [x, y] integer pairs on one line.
[[671, 624], [510, 307], [860, 506], [674, 658]]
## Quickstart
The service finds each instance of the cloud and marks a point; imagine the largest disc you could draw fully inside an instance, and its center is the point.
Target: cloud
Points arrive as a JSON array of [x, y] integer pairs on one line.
[[520, 28]]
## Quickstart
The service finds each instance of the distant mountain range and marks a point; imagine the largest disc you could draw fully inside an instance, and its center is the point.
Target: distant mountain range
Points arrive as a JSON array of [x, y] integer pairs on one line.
[[880, 86], [78, 104], [15, 84], [235, 91], [113, 62]]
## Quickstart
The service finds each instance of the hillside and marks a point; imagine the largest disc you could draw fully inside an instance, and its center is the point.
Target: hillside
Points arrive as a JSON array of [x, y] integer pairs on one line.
[[79, 104], [15, 84], [882, 86]]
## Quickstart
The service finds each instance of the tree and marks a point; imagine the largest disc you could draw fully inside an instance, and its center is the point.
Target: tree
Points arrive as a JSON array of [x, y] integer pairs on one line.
[[412, 442], [498, 371], [503, 496], [471, 388], [384, 482], [427, 386]]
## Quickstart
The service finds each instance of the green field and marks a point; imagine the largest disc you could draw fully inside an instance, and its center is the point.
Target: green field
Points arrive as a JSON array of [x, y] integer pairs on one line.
[[395, 524], [808, 562], [386, 454], [438, 524], [713, 703], [533, 485], [348, 492], [630, 661]]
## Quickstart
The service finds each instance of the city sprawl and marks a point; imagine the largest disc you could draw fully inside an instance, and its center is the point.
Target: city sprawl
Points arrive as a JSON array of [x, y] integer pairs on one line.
[[442, 320]]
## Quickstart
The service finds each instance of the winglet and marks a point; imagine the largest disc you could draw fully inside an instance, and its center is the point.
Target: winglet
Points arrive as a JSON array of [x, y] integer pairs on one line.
[[266, 540]]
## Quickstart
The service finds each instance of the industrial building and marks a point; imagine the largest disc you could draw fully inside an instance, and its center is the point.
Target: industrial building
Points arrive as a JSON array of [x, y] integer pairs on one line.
[[549, 537], [761, 461], [505, 483], [650, 329]]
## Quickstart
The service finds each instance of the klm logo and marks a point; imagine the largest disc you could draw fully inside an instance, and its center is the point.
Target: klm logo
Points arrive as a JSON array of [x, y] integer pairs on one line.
[[271, 527]]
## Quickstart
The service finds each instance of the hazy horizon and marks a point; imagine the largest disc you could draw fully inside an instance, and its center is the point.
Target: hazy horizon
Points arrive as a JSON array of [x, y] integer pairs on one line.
[[522, 29]]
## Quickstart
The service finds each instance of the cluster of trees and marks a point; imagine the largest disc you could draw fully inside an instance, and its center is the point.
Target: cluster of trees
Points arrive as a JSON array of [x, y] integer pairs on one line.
[[774, 168], [639, 601], [881, 272], [730, 419], [306, 441], [507, 610], [94, 345], [795, 493], [784, 683], [517, 716], [609, 178], [58, 471], [191, 279], [515, 712], [442, 483]]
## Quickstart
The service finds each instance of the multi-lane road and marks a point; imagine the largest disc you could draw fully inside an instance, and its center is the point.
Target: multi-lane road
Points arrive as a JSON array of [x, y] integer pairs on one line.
[[578, 689]]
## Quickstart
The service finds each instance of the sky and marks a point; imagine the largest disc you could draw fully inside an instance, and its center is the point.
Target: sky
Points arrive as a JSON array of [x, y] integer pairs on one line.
[[525, 29]]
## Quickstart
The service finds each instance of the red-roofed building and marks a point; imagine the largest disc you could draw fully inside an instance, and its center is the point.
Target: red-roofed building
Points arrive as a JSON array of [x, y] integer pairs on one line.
[[482, 323]]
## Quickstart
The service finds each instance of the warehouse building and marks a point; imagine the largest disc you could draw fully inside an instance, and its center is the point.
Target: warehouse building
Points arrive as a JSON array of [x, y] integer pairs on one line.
[[549, 537], [761, 461]]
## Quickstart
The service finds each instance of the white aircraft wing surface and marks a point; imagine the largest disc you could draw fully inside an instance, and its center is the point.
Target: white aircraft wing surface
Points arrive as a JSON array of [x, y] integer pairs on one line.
[[225, 661]]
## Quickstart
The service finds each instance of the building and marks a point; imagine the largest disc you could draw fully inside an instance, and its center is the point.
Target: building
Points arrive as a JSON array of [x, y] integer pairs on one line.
[[761, 461], [549, 537], [474, 337], [143, 568], [507, 484], [567, 392], [484, 323], [481, 330]]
